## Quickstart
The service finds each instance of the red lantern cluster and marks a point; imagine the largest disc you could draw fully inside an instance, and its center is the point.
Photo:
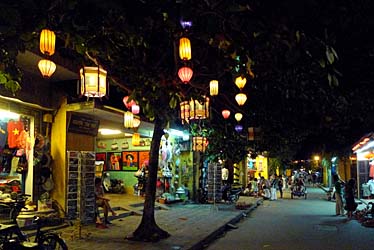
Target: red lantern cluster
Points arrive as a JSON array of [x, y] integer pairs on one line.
[[128, 103]]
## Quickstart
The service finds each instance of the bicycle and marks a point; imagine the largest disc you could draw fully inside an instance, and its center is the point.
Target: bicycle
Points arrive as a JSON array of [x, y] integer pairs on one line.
[[12, 237]]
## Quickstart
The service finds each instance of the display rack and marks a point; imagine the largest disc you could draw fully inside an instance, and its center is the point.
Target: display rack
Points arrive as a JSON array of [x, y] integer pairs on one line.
[[81, 186], [214, 182]]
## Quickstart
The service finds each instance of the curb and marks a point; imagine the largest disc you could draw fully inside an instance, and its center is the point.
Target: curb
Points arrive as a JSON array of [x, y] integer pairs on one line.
[[202, 244]]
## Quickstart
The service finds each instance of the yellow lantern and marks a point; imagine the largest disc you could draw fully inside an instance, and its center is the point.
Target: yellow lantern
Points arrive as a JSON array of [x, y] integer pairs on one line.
[[128, 120], [136, 139], [185, 111], [241, 98], [238, 117], [199, 143], [213, 87], [47, 42], [93, 81], [46, 67], [240, 82], [185, 48]]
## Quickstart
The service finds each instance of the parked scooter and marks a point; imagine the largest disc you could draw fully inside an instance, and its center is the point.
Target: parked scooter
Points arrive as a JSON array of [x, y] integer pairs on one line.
[[113, 185], [230, 194]]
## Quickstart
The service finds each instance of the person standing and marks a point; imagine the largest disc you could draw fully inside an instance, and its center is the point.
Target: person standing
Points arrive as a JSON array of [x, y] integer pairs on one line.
[[349, 190], [371, 187], [274, 186], [225, 175], [338, 184], [280, 186]]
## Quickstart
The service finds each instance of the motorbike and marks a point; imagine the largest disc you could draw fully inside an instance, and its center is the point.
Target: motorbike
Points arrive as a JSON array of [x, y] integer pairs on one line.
[[115, 186], [230, 194]]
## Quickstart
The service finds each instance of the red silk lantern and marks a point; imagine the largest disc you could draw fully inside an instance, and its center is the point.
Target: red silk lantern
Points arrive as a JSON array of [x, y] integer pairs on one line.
[[128, 103], [185, 74], [226, 113]]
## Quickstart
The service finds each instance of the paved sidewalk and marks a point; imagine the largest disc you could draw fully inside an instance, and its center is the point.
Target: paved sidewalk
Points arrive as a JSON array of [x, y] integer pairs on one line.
[[191, 226]]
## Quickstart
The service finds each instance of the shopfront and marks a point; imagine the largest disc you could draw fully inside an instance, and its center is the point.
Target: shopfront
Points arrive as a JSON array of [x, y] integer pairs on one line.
[[24, 151], [364, 150], [124, 157], [121, 156]]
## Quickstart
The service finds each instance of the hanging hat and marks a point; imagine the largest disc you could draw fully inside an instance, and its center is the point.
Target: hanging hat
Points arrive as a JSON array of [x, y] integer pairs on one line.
[[48, 185], [39, 141], [46, 160]]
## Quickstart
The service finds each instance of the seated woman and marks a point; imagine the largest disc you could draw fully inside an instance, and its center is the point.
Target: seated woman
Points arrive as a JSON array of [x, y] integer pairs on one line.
[[103, 202]]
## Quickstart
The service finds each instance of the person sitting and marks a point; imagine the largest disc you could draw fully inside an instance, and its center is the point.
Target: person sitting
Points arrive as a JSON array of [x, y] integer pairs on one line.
[[300, 185], [103, 202]]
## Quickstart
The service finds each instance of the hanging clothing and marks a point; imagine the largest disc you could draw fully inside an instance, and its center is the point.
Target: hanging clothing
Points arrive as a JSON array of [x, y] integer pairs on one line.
[[371, 170], [14, 129], [3, 134]]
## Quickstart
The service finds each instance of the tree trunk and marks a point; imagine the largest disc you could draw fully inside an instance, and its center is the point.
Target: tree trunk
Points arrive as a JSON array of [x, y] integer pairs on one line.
[[148, 230]]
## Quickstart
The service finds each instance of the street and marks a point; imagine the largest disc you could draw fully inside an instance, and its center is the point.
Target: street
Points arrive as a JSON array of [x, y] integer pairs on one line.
[[299, 224]]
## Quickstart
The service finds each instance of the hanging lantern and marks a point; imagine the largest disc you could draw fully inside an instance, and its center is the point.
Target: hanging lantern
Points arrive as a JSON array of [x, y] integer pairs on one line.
[[185, 48], [185, 111], [135, 109], [47, 42], [186, 24], [93, 81], [238, 117], [199, 110], [136, 122], [226, 113], [194, 110], [238, 128], [240, 82], [199, 143], [128, 103], [135, 139], [213, 87], [185, 74], [128, 120], [46, 67], [241, 98]]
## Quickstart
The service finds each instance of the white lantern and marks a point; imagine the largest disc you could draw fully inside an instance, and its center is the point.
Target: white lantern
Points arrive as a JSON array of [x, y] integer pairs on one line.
[[241, 98], [46, 67]]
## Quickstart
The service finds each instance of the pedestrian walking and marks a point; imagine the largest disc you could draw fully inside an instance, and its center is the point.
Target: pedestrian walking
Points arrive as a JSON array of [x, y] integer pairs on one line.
[[338, 184]]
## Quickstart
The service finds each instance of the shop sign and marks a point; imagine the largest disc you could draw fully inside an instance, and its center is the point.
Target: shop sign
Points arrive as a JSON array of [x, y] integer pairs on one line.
[[83, 125]]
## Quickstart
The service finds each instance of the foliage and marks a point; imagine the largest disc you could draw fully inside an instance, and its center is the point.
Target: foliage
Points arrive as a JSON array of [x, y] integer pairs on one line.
[[292, 60]]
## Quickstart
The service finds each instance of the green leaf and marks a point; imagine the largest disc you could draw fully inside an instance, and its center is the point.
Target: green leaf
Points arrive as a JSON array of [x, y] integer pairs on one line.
[[173, 102], [329, 78], [330, 55], [297, 36]]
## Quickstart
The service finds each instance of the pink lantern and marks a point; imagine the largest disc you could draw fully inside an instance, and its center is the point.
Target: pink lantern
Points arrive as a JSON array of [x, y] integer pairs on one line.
[[135, 109], [226, 113], [185, 74], [127, 103]]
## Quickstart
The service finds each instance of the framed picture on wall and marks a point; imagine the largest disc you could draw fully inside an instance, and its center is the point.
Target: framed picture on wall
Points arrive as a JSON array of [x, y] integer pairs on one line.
[[114, 161], [130, 160], [100, 157], [143, 158]]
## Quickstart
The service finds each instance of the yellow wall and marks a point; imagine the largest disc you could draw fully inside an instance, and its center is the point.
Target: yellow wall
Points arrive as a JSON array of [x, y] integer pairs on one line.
[[61, 141], [344, 168], [58, 152], [262, 167]]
